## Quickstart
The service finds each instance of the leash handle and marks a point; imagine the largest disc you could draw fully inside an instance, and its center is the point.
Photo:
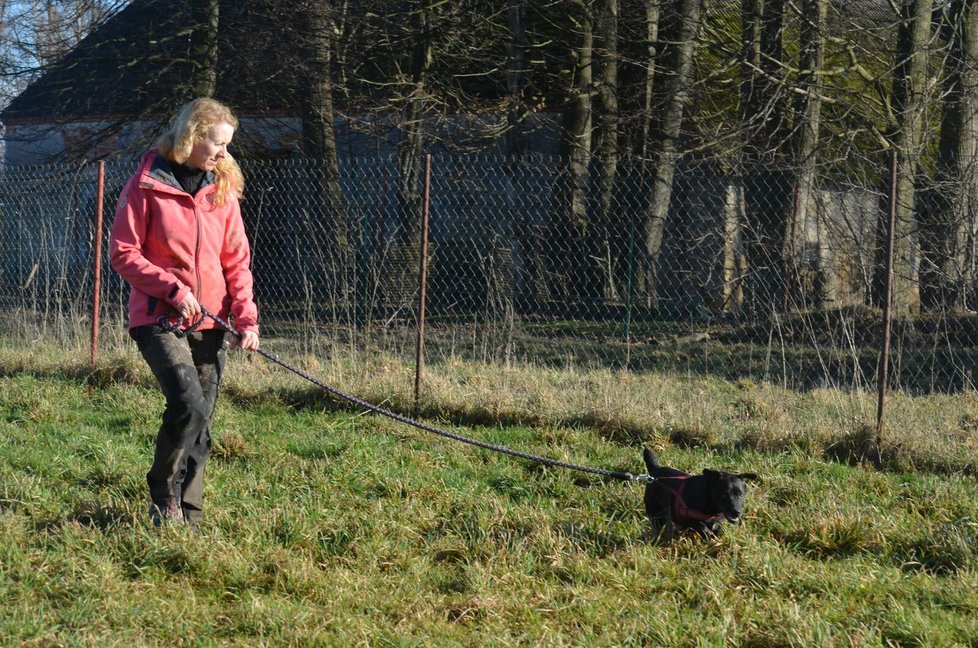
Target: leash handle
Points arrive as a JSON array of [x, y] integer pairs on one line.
[[177, 328]]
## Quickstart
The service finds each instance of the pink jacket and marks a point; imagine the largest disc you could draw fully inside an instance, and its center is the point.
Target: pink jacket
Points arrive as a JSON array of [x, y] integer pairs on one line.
[[166, 243]]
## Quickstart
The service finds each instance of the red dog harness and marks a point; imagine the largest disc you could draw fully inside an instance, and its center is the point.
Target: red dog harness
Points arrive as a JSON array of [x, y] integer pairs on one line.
[[681, 512]]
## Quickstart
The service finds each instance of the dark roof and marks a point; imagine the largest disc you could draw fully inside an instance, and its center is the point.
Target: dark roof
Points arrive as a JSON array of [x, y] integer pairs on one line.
[[139, 63]]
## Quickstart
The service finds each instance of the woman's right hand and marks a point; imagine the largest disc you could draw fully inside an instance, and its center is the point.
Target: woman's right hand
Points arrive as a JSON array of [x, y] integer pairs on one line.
[[189, 309]]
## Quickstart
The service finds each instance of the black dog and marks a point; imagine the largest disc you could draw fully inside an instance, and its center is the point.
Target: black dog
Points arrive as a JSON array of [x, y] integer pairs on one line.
[[697, 502]]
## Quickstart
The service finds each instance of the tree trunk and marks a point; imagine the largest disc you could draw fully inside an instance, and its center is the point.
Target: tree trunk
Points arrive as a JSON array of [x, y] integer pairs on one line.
[[606, 149], [949, 218], [329, 228], [809, 284], [677, 79], [637, 134], [527, 244], [204, 46], [906, 137], [638, 34], [516, 79], [575, 267], [768, 186], [652, 34], [406, 256]]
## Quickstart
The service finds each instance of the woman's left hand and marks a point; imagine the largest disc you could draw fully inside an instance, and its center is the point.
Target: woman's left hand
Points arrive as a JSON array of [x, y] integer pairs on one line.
[[248, 341]]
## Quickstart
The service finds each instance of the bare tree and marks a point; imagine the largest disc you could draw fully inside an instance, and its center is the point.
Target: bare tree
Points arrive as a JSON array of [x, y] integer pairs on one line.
[[35, 34], [677, 67], [330, 230], [808, 111], [670, 81], [767, 185], [573, 227], [207, 21], [414, 100], [638, 29], [949, 218], [606, 147], [517, 78], [906, 137]]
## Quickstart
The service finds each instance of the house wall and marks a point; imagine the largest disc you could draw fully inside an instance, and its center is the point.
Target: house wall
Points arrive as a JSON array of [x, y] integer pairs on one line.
[[268, 136], [37, 144]]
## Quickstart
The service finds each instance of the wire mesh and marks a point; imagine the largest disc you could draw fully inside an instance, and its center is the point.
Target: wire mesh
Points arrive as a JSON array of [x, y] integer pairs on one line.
[[512, 278]]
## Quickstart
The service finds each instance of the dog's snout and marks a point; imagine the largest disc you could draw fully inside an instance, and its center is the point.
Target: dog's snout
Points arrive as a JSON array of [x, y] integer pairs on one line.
[[733, 513]]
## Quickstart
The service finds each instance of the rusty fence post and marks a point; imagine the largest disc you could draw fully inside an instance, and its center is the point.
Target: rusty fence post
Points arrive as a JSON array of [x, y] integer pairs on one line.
[[97, 289], [422, 283], [884, 367]]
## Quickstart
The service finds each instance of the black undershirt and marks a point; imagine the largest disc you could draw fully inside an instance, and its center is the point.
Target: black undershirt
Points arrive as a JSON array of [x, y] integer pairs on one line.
[[191, 180]]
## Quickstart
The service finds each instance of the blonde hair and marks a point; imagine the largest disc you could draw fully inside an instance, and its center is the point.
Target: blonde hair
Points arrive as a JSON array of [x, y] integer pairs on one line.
[[190, 125]]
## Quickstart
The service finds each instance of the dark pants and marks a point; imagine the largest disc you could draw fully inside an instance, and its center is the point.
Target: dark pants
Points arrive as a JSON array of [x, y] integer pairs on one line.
[[189, 371]]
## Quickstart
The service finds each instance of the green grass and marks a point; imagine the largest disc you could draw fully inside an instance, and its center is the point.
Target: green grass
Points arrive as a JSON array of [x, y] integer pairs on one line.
[[326, 526]]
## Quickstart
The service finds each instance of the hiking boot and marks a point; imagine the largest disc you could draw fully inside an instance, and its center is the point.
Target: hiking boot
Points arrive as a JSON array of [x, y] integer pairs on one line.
[[192, 518], [169, 515]]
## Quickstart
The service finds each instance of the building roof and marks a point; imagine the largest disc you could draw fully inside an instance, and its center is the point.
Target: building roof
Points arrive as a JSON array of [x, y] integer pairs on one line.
[[139, 63]]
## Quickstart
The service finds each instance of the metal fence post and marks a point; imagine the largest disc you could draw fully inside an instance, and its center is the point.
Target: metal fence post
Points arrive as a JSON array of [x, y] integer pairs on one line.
[[422, 282], [887, 310], [363, 265], [629, 289], [97, 289]]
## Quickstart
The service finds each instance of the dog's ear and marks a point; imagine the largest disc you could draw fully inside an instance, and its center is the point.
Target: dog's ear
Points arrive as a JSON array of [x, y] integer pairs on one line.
[[749, 476], [712, 474], [651, 462]]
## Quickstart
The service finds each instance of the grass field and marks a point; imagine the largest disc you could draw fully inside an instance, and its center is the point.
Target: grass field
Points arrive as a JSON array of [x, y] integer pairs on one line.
[[326, 526]]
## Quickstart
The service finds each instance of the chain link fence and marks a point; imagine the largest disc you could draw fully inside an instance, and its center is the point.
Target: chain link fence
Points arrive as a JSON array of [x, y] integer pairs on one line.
[[526, 263]]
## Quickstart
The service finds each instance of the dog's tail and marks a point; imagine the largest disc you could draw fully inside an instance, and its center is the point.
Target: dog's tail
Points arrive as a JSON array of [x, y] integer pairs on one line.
[[651, 463]]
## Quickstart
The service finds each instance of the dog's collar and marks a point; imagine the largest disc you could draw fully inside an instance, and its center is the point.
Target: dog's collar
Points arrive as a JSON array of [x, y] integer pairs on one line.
[[680, 511]]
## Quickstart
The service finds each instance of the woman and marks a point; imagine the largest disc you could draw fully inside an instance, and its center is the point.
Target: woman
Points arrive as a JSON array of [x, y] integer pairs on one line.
[[179, 241]]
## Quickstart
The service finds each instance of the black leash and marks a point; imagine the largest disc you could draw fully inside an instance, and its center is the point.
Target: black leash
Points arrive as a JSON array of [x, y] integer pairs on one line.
[[614, 474]]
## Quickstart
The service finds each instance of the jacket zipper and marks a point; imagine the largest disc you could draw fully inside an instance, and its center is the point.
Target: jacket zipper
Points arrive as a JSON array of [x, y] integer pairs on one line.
[[197, 293]]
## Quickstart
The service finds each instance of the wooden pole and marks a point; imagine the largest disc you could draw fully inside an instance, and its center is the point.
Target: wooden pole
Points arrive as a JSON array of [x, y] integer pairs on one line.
[[97, 289], [422, 282]]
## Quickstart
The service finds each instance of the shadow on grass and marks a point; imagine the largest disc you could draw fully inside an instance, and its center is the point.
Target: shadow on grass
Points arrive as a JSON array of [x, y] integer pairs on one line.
[[862, 447], [940, 549], [800, 351], [943, 550], [838, 348], [91, 514]]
